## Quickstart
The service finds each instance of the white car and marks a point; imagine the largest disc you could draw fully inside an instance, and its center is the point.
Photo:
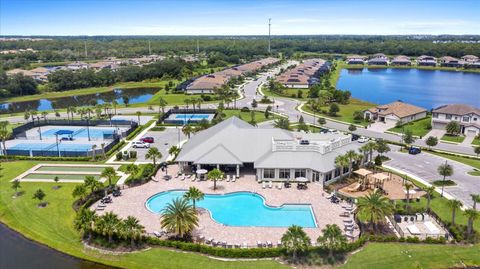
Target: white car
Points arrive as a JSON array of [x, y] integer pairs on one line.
[[362, 139], [140, 144]]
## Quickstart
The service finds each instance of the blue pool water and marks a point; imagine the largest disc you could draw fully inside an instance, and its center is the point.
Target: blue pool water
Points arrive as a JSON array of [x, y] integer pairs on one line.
[[82, 132], [424, 88], [51, 147], [242, 209]]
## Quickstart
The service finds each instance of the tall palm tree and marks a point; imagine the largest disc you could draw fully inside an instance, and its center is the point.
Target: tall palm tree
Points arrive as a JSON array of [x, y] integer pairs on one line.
[[174, 150], [429, 191], [85, 221], [138, 113], [79, 191], [92, 183], [132, 229], [295, 241], [475, 199], [454, 205], [94, 151], [187, 130], [375, 207], [114, 105], [162, 103], [332, 238], [341, 161], [352, 156], [193, 194], [215, 175], [471, 215], [179, 217], [445, 170], [108, 225], [408, 186], [369, 148], [110, 174], [154, 154]]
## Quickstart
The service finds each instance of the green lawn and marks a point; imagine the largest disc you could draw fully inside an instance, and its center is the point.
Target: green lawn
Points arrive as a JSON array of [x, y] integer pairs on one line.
[[475, 173], [406, 256], [53, 226], [418, 128], [453, 138], [474, 162], [287, 93], [476, 141], [246, 116], [346, 111]]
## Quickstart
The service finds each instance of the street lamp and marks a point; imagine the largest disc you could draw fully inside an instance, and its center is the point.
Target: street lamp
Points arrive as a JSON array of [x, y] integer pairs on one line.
[[56, 141]]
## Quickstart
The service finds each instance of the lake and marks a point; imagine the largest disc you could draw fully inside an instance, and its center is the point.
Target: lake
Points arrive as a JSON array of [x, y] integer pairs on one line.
[[17, 252], [135, 96], [424, 88]]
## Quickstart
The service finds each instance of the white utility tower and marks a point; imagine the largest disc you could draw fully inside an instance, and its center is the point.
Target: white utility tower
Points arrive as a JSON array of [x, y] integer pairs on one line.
[[269, 38]]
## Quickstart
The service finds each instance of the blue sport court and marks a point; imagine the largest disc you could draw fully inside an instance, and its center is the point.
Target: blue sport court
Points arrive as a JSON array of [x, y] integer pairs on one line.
[[106, 133], [51, 147], [188, 118]]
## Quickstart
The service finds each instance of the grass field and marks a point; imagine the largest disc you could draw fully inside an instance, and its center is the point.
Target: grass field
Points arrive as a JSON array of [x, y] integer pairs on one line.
[[419, 127], [346, 111], [453, 138], [475, 163], [246, 116], [476, 141], [53, 226]]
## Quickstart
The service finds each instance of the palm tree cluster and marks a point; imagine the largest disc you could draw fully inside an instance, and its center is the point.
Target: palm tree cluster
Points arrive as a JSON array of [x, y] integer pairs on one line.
[[374, 208], [109, 226], [89, 186], [347, 160], [180, 217]]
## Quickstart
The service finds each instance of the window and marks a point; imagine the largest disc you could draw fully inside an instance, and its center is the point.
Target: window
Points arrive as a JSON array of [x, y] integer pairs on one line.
[[435, 115], [345, 169], [268, 173], [315, 176], [337, 171], [466, 119], [328, 176], [300, 173], [474, 119], [284, 173], [448, 116]]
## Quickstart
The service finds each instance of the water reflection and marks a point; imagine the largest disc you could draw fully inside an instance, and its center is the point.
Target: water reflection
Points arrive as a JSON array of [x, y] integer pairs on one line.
[[135, 96]]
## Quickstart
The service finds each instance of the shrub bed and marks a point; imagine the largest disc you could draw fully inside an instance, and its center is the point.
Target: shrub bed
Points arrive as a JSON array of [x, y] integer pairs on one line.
[[444, 183]]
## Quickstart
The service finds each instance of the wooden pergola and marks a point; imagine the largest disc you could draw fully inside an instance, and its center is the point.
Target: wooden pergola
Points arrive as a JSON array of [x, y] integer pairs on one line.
[[379, 179], [363, 174]]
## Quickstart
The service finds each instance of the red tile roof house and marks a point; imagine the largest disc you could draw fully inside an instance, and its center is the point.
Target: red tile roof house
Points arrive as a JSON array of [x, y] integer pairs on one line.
[[355, 59], [426, 60], [467, 116], [448, 61], [471, 61], [378, 59], [401, 60], [395, 112], [304, 75]]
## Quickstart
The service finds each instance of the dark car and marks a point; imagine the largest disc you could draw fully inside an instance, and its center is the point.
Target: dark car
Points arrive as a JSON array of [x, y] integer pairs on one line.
[[414, 150], [147, 139]]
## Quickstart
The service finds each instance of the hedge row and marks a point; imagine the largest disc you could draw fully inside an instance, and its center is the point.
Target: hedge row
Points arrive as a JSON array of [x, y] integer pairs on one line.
[[41, 158], [115, 148], [217, 251], [139, 129]]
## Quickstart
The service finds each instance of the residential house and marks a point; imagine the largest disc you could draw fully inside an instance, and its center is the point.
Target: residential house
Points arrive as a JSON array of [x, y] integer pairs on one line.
[[378, 59], [355, 59], [401, 60], [467, 116], [426, 60], [395, 112], [469, 59], [271, 154], [305, 74], [448, 61], [77, 66]]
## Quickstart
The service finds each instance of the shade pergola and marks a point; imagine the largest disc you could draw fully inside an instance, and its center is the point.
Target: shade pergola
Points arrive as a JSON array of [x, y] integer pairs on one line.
[[363, 172], [379, 178]]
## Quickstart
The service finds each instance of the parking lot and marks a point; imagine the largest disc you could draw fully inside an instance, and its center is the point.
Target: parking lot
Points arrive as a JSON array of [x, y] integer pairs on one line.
[[163, 140]]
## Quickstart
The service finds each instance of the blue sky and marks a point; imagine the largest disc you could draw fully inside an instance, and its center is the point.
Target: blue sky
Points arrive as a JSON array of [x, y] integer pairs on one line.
[[248, 17]]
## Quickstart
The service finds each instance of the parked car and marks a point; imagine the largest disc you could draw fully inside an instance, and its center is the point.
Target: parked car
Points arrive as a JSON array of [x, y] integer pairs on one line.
[[148, 139], [355, 137], [414, 150], [140, 144], [363, 139]]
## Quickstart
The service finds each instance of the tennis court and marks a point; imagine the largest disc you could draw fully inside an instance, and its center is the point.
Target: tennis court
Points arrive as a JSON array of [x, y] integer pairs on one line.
[[51, 147], [81, 132]]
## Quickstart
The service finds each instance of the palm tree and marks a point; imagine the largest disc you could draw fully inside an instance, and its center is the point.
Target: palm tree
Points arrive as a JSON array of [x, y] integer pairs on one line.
[[79, 191], [352, 156], [108, 224], [114, 105], [110, 174], [215, 175], [132, 229], [174, 150], [16, 186], [341, 161], [138, 113], [375, 207], [44, 115], [132, 169], [179, 217], [193, 194], [429, 191], [85, 221], [94, 151], [454, 205], [471, 215], [408, 187], [103, 150], [445, 170], [295, 241], [187, 130], [154, 154], [332, 238], [92, 183], [282, 123], [39, 195], [162, 103], [475, 199], [369, 148]]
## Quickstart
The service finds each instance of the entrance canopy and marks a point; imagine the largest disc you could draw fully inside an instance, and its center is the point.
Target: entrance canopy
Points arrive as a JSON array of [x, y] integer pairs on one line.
[[64, 132]]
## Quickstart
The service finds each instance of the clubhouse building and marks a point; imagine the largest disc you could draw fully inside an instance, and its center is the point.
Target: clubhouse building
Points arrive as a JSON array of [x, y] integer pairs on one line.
[[272, 154]]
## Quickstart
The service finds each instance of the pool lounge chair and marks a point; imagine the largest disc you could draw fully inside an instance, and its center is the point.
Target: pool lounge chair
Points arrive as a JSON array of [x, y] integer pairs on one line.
[[182, 177], [228, 178], [264, 184], [224, 244], [188, 176], [259, 244], [234, 178], [270, 184], [279, 244], [194, 178], [269, 244], [209, 241]]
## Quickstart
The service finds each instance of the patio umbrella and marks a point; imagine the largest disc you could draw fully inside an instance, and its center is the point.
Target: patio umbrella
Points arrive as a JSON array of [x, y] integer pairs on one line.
[[202, 171], [302, 179]]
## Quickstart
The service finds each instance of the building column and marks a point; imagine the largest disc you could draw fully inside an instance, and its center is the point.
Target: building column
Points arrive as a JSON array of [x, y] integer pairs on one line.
[[218, 166], [199, 166], [238, 170]]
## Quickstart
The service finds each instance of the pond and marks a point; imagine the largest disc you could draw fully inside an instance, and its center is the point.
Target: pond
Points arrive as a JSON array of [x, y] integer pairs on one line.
[[424, 88], [17, 252], [135, 96]]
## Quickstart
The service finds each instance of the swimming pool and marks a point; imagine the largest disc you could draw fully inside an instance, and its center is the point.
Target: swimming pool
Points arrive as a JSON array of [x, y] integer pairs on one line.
[[242, 209]]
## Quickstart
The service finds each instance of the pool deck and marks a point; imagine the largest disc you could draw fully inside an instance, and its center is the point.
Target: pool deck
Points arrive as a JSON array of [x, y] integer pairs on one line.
[[132, 203]]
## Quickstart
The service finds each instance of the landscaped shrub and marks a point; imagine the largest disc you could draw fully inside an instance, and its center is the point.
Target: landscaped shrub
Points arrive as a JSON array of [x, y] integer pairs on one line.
[[158, 129], [115, 148], [118, 156], [245, 109], [447, 182], [133, 154]]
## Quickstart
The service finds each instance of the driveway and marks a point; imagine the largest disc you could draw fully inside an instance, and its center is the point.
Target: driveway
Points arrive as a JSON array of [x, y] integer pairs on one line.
[[164, 140], [381, 126], [424, 165]]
